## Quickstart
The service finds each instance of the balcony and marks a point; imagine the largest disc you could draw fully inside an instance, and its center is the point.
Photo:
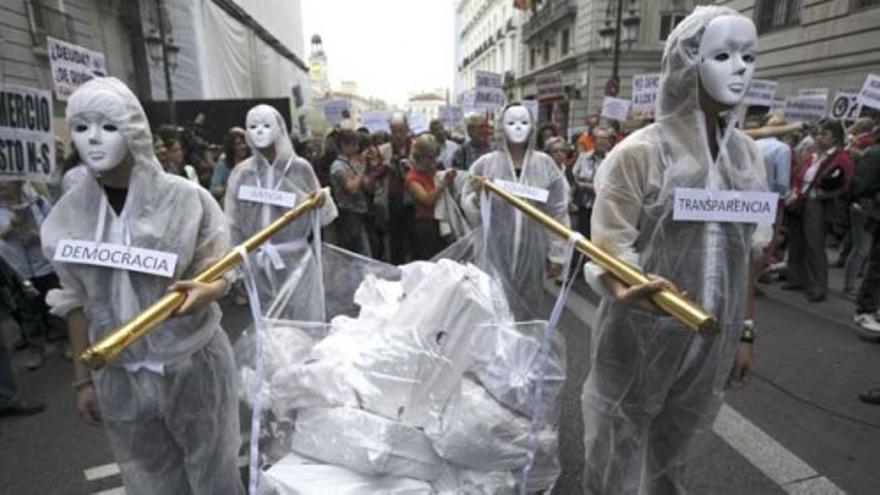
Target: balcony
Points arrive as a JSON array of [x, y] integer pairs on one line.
[[548, 17]]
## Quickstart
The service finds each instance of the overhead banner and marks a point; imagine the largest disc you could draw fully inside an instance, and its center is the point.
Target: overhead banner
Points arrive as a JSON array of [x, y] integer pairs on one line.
[[27, 138], [761, 93], [72, 66], [550, 86], [615, 108], [451, 116], [335, 111], [845, 106], [806, 108], [485, 79], [376, 121], [869, 96], [644, 95]]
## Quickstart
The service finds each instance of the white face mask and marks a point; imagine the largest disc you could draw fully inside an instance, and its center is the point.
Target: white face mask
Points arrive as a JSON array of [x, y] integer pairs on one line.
[[517, 124], [262, 126], [727, 58], [98, 140]]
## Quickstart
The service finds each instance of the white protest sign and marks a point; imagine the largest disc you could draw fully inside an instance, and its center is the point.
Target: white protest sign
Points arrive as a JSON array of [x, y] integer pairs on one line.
[[703, 205], [116, 256], [27, 138], [468, 101], [816, 92], [845, 106], [524, 191], [615, 108], [376, 121], [761, 92], [267, 196], [451, 116], [486, 79], [777, 105], [644, 95], [488, 98], [869, 96], [417, 122], [805, 108], [549, 86], [334, 109], [533, 107], [72, 66]]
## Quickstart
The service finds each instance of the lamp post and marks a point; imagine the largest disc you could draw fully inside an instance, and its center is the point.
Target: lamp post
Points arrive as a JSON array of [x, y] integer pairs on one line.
[[161, 48], [610, 37]]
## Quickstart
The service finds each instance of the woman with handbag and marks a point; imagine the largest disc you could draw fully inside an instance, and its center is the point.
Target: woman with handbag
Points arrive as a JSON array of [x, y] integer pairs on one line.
[[824, 177]]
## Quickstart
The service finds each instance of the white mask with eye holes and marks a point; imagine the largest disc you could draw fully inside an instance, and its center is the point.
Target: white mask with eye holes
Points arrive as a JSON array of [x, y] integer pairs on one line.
[[517, 123], [727, 58], [262, 126], [98, 140]]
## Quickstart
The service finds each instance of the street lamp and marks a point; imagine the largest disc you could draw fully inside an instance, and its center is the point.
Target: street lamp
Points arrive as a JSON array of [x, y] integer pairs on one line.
[[610, 36], [161, 48]]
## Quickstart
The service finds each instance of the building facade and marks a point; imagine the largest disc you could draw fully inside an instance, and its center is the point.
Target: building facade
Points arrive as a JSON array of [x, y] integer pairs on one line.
[[427, 104], [488, 39], [818, 44]]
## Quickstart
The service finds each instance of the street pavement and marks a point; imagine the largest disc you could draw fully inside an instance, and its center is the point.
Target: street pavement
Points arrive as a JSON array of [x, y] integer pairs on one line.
[[798, 428]]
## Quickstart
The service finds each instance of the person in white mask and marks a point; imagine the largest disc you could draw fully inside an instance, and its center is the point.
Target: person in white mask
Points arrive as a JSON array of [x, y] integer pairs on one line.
[[520, 251], [261, 189], [119, 239], [653, 382]]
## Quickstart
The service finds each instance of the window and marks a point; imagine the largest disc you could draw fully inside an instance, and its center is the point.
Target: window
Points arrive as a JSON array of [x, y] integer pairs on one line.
[[564, 40], [864, 4], [532, 56], [777, 14], [48, 21], [668, 23], [546, 57]]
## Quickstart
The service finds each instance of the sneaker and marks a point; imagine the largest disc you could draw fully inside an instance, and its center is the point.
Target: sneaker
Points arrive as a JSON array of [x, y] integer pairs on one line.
[[867, 324]]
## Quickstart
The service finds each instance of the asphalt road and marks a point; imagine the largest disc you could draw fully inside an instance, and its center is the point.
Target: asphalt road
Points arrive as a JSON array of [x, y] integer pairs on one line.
[[799, 428]]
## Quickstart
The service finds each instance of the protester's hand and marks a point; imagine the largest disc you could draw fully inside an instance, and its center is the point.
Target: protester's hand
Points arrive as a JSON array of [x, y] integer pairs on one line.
[[741, 375], [449, 177], [87, 405], [477, 182], [198, 294], [791, 198], [641, 294], [322, 197]]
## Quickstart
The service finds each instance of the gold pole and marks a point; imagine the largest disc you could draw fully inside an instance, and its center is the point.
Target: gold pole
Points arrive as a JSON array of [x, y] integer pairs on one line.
[[686, 311], [113, 343]]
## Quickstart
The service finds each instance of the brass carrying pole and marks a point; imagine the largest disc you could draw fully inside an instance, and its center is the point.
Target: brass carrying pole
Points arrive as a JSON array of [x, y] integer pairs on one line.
[[113, 343], [683, 309]]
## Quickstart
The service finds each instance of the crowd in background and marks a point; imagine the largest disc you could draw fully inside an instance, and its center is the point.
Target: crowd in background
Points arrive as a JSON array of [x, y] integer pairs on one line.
[[390, 189]]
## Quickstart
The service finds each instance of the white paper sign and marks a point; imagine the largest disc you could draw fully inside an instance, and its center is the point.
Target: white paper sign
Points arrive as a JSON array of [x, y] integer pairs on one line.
[[333, 110], [777, 105], [817, 92], [116, 256], [761, 92], [488, 98], [468, 102], [417, 122], [451, 116], [524, 191], [533, 107], [615, 108], [702, 205], [376, 121], [644, 95], [27, 138], [72, 66], [549, 86], [267, 196], [486, 79], [805, 108], [869, 96], [845, 106]]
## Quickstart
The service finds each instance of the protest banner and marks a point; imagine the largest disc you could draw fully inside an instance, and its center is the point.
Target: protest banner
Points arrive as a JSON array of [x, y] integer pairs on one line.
[[27, 138], [869, 96], [485, 79], [335, 110], [72, 66], [615, 108], [644, 95], [805, 108], [376, 121], [549, 86], [451, 116], [761, 93], [845, 106]]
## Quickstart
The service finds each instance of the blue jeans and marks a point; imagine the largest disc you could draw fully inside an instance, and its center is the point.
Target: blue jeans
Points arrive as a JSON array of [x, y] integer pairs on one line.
[[8, 395]]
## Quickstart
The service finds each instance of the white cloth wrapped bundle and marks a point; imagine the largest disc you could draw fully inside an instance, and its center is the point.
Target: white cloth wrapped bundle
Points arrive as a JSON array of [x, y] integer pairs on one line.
[[366, 443], [458, 481], [284, 346], [479, 433], [294, 475], [508, 367]]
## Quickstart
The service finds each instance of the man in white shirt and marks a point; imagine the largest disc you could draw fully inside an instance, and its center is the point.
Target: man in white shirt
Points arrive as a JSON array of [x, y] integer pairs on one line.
[[448, 147]]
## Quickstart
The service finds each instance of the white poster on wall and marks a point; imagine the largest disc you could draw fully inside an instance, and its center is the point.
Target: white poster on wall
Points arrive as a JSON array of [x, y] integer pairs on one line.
[[72, 66], [27, 137], [615, 108]]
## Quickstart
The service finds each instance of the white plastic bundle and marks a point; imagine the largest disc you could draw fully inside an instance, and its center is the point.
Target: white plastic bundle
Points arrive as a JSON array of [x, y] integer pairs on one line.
[[366, 443], [294, 475]]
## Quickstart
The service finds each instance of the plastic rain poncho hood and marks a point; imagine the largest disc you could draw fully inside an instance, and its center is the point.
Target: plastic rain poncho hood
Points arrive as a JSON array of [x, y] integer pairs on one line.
[[654, 382]]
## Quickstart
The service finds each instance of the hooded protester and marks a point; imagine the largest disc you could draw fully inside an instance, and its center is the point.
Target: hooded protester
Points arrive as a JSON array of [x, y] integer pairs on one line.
[[519, 250], [261, 189], [653, 382], [118, 239]]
